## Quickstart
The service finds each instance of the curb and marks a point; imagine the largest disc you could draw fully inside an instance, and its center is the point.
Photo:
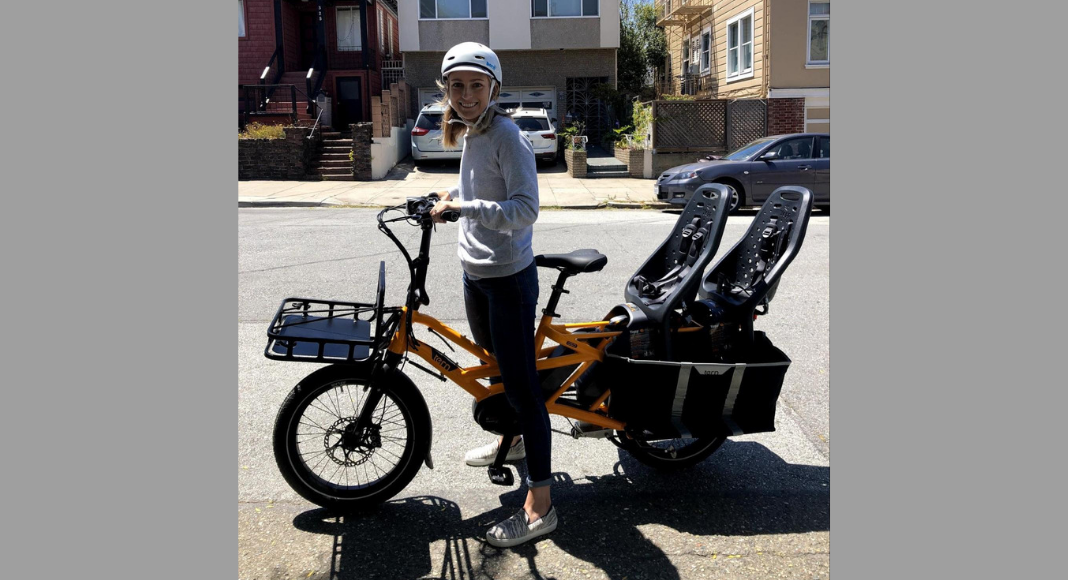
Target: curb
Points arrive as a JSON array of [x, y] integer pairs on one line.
[[268, 203], [639, 205]]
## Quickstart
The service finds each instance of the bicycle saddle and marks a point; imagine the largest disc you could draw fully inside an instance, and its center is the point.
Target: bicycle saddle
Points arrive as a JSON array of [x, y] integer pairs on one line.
[[572, 263]]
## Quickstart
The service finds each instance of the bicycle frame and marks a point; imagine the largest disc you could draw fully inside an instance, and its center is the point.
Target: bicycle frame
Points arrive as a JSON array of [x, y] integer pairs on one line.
[[468, 378]]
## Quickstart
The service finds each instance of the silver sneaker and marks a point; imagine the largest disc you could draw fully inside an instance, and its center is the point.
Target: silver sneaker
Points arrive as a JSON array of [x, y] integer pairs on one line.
[[515, 530], [482, 456]]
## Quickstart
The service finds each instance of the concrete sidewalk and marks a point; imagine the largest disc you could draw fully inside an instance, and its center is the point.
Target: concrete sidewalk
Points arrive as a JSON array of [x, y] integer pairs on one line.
[[555, 188]]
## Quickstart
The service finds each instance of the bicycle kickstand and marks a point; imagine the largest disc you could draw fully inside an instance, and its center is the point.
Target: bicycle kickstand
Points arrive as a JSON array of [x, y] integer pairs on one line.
[[500, 474]]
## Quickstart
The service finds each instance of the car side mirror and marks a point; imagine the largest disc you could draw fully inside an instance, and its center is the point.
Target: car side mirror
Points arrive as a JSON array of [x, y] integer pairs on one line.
[[770, 156]]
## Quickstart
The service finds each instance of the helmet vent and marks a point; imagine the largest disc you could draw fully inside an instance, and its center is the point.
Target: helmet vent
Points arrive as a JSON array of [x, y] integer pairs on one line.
[[480, 57]]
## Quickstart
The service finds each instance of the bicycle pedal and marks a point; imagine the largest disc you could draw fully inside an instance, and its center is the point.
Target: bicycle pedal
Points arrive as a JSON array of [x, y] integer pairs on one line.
[[501, 476]]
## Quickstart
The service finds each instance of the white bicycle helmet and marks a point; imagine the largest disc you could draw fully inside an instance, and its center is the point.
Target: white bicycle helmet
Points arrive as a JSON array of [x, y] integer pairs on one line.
[[472, 56]]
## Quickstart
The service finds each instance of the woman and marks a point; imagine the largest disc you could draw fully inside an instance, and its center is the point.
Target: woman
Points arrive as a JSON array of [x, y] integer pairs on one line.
[[497, 198]]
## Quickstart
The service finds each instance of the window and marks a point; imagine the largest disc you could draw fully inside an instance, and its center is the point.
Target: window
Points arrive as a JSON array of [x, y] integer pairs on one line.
[[240, 18], [429, 121], [563, 8], [825, 148], [452, 9], [819, 33], [686, 55], [348, 29], [390, 28], [381, 36], [800, 148], [740, 46], [706, 50], [532, 123]]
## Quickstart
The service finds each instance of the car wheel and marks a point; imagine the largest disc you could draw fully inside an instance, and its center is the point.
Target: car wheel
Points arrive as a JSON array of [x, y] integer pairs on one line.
[[737, 199]]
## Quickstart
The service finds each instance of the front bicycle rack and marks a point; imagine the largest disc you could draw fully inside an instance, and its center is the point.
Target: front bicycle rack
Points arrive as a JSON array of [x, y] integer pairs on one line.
[[329, 331]]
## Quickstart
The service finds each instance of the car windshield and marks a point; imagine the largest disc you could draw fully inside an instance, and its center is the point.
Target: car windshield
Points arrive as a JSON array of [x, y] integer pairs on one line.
[[747, 150], [532, 124], [429, 121]]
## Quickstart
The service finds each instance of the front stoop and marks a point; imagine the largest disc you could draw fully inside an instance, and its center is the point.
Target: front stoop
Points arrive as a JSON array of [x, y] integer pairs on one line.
[[334, 163]]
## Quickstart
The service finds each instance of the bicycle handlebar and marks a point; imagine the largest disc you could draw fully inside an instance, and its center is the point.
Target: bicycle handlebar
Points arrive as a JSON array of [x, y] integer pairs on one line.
[[416, 212]]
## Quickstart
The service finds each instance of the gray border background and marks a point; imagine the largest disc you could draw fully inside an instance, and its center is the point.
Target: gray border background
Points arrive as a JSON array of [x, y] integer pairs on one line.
[[120, 236], [120, 240]]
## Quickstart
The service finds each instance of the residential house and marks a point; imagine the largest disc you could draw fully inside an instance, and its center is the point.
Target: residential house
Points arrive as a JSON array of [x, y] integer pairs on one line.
[[752, 49], [337, 47], [552, 52]]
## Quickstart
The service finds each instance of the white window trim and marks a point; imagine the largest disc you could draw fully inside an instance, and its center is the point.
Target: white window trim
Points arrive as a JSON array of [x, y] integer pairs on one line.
[[745, 74], [700, 50], [389, 30], [808, 39], [337, 39], [549, 9], [800, 93], [435, 19]]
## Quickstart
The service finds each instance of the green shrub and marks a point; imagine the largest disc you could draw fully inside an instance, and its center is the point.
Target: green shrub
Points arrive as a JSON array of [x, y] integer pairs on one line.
[[643, 120]]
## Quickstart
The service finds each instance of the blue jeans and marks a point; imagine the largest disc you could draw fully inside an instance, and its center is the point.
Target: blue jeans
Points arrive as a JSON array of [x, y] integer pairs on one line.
[[501, 314]]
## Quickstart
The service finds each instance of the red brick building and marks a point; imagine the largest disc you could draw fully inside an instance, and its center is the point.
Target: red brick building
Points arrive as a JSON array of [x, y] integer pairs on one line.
[[336, 47]]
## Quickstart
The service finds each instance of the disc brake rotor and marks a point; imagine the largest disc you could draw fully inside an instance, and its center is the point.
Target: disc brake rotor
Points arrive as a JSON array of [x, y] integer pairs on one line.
[[346, 447]]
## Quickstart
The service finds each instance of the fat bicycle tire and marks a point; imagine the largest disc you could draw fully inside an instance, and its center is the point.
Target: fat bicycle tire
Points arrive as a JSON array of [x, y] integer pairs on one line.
[[666, 456], [308, 433]]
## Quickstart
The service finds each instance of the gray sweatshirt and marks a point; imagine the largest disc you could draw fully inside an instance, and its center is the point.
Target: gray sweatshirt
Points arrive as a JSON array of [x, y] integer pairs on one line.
[[498, 194]]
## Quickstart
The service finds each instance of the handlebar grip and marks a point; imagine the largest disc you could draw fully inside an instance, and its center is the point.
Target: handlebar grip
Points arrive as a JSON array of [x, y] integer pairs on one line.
[[450, 215]]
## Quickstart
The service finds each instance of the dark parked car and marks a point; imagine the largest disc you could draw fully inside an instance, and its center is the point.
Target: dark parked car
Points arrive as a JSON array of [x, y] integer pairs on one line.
[[757, 169]]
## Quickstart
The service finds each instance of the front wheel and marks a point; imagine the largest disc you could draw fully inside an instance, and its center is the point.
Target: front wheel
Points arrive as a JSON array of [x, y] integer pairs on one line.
[[670, 454], [737, 197], [328, 461]]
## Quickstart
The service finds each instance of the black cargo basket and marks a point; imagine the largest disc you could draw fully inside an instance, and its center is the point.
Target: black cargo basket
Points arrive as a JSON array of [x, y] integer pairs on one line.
[[327, 331], [662, 400]]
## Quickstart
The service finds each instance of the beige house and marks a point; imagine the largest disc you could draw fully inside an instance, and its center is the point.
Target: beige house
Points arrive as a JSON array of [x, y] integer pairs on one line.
[[752, 49]]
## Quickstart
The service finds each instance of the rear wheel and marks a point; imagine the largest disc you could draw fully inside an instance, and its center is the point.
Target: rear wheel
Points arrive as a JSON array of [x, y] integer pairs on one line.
[[329, 462], [671, 454]]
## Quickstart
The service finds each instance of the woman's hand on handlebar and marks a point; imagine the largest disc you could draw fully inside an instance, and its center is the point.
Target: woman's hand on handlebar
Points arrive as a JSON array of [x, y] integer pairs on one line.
[[445, 205]]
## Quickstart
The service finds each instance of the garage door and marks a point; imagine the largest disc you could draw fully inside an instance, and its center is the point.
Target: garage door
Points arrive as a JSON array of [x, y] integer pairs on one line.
[[511, 98], [429, 97]]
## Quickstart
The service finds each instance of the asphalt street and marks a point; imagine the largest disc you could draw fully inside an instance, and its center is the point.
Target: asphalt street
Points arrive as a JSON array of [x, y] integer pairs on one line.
[[757, 508]]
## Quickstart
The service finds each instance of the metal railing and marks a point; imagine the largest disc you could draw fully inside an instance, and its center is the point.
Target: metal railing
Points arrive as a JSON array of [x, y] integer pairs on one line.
[[392, 72], [311, 135], [260, 100]]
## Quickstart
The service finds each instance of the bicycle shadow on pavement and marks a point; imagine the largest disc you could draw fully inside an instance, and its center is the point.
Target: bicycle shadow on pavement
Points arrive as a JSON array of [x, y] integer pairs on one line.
[[742, 490]]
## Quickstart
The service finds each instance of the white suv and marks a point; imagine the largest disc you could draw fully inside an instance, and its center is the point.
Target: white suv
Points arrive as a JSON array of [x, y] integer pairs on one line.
[[540, 130], [426, 137]]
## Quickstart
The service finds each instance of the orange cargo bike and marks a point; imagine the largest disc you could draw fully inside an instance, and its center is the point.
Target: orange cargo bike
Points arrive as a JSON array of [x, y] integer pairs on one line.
[[667, 375]]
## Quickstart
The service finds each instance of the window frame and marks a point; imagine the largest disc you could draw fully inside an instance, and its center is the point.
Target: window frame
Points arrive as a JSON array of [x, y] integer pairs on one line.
[[389, 30], [701, 50], [469, 17], [244, 20], [809, 63], [742, 74], [687, 56], [337, 31], [549, 10], [381, 33]]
